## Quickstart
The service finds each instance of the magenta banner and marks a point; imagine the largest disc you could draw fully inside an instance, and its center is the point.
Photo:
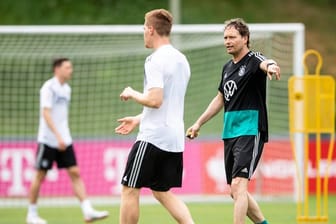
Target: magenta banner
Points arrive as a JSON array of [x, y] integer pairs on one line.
[[102, 164]]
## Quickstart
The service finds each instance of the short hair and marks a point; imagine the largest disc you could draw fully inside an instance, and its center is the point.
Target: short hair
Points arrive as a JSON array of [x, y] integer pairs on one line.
[[58, 62], [161, 20], [240, 25]]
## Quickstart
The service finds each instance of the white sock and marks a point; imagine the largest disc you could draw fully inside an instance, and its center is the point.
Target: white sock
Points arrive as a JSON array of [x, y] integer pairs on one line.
[[86, 206], [32, 210]]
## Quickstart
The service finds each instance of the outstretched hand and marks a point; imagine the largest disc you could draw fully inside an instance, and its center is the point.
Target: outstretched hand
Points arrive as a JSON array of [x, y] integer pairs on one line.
[[273, 69], [127, 125]]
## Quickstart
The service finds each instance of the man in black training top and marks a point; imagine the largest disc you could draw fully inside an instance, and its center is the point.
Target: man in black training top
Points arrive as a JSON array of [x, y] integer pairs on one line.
[[242, 93]]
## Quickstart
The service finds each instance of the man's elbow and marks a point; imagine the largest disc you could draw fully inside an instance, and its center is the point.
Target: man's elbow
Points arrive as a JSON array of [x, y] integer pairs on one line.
[[155, 104], [154, 99], [46, 112]]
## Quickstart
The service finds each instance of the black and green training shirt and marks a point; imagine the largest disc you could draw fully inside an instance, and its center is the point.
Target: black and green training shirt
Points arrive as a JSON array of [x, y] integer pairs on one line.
[[243, 86]]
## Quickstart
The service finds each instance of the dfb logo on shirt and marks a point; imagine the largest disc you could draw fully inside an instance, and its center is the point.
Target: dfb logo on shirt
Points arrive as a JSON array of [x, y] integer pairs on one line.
[[242, 70], [230, 88]]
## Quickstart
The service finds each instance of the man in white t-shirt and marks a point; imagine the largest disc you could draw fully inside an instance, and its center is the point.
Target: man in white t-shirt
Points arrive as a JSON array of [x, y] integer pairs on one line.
[[156, 159], [55, 142]]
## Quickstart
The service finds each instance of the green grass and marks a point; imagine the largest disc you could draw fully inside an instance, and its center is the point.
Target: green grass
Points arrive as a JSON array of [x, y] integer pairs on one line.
[[207, 213]]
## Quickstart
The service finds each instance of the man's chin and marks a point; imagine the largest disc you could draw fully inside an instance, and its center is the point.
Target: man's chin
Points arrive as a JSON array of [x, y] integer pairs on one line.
[[147, 46], [229, 52]]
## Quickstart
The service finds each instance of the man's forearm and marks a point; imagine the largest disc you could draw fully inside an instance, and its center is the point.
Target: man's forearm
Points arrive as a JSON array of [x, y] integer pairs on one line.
[[138, 118], [265, 64], [47, 117], [214, 107], [152, 98], [147, 100]]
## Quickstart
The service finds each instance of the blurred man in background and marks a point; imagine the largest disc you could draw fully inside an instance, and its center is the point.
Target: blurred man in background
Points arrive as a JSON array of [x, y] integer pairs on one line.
[[55, 142]]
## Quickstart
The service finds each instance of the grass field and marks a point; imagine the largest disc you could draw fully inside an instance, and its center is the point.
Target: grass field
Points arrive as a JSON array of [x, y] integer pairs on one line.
[[207, 213]]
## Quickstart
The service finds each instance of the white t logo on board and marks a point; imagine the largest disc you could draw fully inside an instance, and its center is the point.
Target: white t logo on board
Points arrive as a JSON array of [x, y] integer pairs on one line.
[[12, 170], [114, 163], [17, 168]]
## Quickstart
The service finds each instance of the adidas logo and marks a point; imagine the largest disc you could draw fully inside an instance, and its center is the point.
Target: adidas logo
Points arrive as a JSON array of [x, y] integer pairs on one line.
[[125, 178], [245, 170]]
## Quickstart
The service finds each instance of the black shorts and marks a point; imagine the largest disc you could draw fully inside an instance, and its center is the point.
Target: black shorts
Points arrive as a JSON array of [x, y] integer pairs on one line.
[[241, 156], [46, 155], [149, 166]]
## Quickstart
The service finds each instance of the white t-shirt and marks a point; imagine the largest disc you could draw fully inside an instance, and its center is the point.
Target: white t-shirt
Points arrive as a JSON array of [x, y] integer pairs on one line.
[[57, 97], [169, 69]]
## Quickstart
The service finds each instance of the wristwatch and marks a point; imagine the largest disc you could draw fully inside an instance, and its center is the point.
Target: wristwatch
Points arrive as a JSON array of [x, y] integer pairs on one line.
[[269, 64]]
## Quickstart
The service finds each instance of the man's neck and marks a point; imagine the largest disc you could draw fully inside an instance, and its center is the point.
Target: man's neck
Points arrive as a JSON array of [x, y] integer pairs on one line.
[[161, 42], [60, 80], [240, 55]]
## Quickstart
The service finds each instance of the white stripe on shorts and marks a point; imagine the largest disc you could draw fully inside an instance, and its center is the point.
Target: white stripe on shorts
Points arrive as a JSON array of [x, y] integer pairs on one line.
[[254, 154], [134, 175], [39, 155]]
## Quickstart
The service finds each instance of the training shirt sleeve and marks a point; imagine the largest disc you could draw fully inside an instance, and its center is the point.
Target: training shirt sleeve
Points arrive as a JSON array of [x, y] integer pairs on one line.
[[258, 58], [154, 75], [220, 87], [46, 97]]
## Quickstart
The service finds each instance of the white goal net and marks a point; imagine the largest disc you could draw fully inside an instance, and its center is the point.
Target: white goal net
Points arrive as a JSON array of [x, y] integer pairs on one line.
[[108, 58]]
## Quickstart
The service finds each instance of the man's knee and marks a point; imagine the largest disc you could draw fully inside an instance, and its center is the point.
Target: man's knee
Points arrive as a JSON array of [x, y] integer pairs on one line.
[[130, 192], [159, 195], [238, 187], [74, 172], [40, 175]]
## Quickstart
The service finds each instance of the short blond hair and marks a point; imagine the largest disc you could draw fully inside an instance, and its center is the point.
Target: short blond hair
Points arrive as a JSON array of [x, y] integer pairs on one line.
[[161, 20]]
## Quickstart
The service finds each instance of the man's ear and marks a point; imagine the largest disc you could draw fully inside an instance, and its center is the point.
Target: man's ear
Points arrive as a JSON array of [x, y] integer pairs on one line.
[[245, 39], [151, 30]]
